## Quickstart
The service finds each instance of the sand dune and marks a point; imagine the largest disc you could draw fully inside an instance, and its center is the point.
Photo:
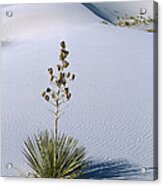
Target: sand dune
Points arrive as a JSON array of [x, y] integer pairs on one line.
[[111, 111]]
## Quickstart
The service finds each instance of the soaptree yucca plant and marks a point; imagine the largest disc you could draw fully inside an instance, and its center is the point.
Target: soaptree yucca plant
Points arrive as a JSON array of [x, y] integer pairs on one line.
[[56, 155]]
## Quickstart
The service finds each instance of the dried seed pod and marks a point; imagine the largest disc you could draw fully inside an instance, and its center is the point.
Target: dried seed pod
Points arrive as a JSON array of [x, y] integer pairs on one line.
[[65, 51], [65, 64], [58, 67], [53, 95], [69, 96], [58, 83], [60, 76], [43, 93], [47, 98], [61, 57], [66, 90], [48, 90], [68, 74], [64, 81], [63, 44], [51, 78], [50, 70], [73, 77]]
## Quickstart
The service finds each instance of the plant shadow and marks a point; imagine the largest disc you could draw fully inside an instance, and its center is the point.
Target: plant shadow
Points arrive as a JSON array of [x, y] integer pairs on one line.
[[114, 169]]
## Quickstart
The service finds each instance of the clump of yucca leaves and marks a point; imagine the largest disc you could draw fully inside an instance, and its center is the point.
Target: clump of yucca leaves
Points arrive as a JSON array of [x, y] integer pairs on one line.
[[56, 155], [40, 153]]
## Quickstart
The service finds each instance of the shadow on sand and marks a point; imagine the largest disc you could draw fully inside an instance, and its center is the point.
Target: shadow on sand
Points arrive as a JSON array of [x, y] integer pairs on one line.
[[115, 169]]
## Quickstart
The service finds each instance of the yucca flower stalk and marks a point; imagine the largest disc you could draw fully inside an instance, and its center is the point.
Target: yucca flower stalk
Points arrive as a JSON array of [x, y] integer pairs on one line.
[[58, 92], [56, 155]]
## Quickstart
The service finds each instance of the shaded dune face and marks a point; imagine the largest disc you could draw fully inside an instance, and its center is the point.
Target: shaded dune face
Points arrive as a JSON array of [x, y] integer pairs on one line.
[[111, 111], [137, 15]]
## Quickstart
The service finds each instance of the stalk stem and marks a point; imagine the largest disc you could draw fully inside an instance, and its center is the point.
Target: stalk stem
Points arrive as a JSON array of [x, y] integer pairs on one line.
[[56, 134]]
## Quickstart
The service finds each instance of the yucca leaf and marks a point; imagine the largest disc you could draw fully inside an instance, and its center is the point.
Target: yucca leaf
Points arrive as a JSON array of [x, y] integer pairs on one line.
[[40, 153]]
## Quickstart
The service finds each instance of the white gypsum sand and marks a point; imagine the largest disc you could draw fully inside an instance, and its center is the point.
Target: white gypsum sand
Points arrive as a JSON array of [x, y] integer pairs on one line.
[[111, 111]]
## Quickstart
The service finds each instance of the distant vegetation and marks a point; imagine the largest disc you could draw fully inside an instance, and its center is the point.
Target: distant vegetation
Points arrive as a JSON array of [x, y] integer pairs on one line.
[[131, 21]]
